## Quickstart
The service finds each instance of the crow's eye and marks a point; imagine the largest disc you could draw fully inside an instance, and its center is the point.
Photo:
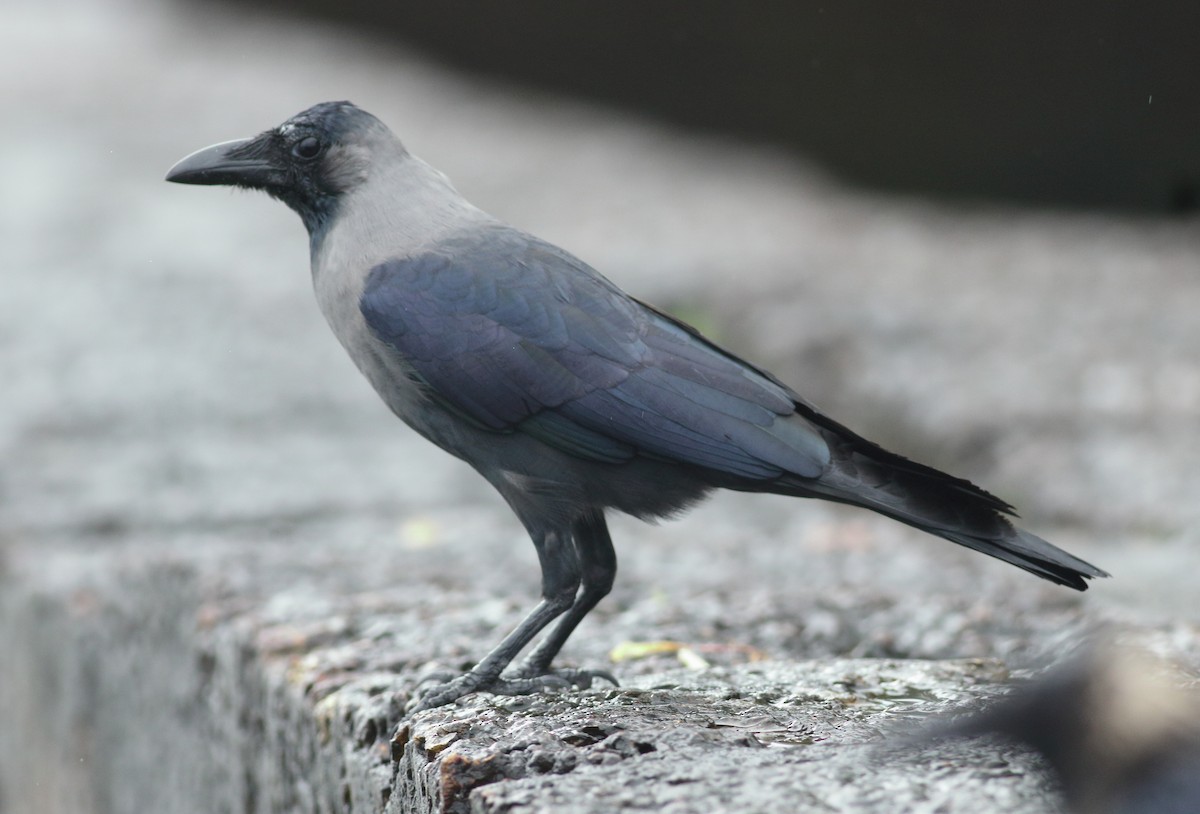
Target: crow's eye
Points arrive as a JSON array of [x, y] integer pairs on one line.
[[307, 148]]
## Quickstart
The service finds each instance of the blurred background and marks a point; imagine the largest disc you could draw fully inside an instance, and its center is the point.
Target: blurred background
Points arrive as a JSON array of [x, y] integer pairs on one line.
[[970, 235], [968, 231], [1073, 105]]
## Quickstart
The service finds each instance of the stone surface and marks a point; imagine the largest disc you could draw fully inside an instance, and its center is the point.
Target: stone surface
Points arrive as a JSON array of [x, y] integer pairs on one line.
[[224, 566]]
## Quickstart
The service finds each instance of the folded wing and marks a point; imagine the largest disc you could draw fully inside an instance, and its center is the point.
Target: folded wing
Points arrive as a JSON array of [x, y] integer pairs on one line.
[[519, 336]]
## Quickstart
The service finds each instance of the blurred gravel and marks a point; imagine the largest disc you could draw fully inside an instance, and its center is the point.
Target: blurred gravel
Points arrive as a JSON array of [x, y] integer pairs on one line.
[[173, 398]]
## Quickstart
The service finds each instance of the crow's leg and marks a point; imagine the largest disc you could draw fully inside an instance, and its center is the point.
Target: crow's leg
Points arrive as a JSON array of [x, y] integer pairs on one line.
[[560, 582], [598, 569]]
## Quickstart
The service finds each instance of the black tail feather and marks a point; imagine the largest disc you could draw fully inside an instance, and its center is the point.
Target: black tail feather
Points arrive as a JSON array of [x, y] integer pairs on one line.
[[1031, 553], [864, 474]]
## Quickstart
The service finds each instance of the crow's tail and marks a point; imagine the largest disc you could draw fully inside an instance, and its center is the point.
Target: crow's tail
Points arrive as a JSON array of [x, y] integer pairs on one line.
[[864, 474]]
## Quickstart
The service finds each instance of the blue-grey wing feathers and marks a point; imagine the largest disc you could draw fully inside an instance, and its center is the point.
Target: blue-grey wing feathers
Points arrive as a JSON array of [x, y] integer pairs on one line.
[[522, 337]]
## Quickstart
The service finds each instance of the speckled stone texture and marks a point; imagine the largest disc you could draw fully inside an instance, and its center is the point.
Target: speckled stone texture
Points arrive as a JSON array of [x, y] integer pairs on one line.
[[224, 566]]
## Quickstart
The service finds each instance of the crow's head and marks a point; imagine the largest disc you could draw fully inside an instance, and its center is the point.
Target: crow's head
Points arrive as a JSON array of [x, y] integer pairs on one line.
[[307, 162]]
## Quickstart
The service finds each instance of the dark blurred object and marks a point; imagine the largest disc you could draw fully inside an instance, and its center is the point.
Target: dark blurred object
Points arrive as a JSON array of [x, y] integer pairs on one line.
[[1119, 732], [1066, 104]]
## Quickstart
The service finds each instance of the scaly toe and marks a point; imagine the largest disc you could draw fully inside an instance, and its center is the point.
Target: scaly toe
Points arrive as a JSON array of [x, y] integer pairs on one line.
[[438, 695], [570, 676]]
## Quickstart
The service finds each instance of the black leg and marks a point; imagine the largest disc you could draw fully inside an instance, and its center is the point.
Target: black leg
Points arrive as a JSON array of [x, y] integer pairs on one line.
[[560, 582], [598, 570]]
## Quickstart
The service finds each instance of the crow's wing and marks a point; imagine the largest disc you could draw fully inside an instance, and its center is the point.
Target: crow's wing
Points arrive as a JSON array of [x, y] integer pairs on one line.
[[519, 336]]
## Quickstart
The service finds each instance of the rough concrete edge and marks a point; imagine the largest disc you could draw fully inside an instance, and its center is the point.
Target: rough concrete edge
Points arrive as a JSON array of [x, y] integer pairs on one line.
[[144, 691]]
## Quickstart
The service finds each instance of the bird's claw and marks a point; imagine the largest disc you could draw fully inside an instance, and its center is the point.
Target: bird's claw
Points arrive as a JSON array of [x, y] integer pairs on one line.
[[445, 692], [521, 683], [570, 676]]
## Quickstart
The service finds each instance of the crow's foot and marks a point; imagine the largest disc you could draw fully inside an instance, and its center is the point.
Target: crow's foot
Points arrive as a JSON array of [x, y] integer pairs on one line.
[[571, 676], [443, 693]]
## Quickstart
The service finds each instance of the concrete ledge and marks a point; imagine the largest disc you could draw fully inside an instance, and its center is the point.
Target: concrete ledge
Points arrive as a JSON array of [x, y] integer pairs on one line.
[[142, 690]]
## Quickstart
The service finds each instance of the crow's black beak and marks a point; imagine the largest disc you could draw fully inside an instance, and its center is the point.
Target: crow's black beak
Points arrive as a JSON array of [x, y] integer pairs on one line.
[[243, 162]]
